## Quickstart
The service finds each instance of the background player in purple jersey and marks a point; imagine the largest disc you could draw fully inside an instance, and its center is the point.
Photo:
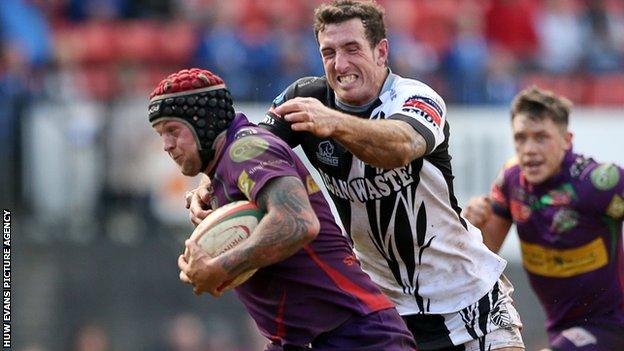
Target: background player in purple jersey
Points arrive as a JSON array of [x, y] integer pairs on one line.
[[309, 291], [568, 211]]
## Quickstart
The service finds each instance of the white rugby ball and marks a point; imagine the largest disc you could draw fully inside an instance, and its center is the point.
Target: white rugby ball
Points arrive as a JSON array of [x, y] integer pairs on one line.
[[225, 228]]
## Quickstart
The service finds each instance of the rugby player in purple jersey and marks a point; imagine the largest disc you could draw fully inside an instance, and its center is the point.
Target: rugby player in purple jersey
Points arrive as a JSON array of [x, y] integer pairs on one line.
[[568, 210], [309, 291]]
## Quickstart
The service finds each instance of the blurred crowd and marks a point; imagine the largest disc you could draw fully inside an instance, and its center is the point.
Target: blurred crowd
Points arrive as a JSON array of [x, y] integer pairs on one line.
[[472, 51]]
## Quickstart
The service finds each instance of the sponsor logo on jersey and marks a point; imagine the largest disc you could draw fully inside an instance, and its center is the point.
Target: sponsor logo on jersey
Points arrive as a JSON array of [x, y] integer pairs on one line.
[[498, 196], [560, 197], [325, 153], [248, 148], [519, 211], [564, 220], [550, 262], [616, 207], [424, 107], [364, 189], [245, 184], [271, 164], [269, 120], [245, 132], [579, 336], [579, 165], [311, 185], [605, 176], [393, 94], [563, 195]]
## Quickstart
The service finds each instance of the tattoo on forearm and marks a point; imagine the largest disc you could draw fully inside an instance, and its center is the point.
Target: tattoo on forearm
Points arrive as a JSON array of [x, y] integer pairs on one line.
[[282, 233]]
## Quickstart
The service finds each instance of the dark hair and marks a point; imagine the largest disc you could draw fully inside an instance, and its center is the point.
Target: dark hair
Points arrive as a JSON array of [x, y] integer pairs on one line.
[[371, 14], [539, 104]]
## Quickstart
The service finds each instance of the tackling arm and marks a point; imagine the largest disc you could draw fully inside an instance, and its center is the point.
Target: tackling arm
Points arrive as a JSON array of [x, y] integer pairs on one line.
[[380, 143]]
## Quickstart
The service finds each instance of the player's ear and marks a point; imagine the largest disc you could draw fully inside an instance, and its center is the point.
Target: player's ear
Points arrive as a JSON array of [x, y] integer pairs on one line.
[[381, 49], [568, 136]]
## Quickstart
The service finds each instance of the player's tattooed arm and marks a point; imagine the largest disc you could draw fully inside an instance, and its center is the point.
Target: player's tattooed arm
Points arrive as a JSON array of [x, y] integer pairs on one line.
[[289, 224]]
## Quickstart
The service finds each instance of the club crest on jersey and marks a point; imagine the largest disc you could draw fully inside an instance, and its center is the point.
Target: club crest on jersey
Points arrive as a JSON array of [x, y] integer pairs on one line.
[[245, 132], [424, 107], [325, 153], [605, 177]]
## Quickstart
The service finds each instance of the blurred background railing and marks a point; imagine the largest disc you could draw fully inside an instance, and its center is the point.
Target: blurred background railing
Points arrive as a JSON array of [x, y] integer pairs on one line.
[[98, 208]]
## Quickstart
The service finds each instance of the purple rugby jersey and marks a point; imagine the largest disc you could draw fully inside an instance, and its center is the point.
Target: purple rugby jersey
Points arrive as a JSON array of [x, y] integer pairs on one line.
[[570, 230], [320, 286]]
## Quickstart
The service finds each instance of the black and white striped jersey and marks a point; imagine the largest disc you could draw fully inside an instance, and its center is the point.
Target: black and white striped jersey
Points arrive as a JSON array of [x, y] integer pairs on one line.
[[404, 223]]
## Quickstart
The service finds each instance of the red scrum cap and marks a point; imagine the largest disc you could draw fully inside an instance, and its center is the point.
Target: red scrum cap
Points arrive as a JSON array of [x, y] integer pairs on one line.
[[199, 99]]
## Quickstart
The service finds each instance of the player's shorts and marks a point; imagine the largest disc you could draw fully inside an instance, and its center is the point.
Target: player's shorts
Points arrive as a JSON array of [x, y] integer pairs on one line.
[[589, 337], [489, 324], [379, 331]]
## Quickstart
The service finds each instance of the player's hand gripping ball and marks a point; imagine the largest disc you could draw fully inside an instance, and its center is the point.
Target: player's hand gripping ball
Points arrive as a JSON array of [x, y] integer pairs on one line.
[[225, 228]]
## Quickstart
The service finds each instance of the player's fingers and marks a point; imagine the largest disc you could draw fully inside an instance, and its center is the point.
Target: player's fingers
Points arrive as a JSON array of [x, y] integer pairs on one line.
[[296, 117], [182, 264], [194, 218], [188, 197], [204, 195], [303, 127], [292, 105], [184, 278], [191, 246], [196, 212]]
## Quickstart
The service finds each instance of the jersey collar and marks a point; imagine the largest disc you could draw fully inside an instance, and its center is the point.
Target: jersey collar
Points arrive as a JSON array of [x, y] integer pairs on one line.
[[387, 85]]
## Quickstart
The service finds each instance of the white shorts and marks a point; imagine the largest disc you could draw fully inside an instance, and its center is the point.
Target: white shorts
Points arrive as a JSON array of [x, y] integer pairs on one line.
[[489, 324]]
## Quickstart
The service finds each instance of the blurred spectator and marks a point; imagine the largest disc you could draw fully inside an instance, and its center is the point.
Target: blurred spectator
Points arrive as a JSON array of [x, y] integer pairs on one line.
[[466, 62], [509, 26], [91, 337], [80, 10], [501, 81], [560, 36], [603, 41], [24, 28], [297, 49], [239, 46], [185, 332], [24, 50], [410, 57]]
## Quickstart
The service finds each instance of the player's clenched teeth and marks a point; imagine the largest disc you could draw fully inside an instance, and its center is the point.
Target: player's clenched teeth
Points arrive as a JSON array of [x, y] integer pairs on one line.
[[347, 79]]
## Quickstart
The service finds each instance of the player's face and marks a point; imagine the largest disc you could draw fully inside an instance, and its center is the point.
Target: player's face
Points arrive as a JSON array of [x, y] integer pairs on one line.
[[354, 70], [179, 143], [540, 147]]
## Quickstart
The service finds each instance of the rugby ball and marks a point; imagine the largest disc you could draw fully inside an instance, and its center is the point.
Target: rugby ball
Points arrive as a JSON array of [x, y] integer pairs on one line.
[[226, 227]]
